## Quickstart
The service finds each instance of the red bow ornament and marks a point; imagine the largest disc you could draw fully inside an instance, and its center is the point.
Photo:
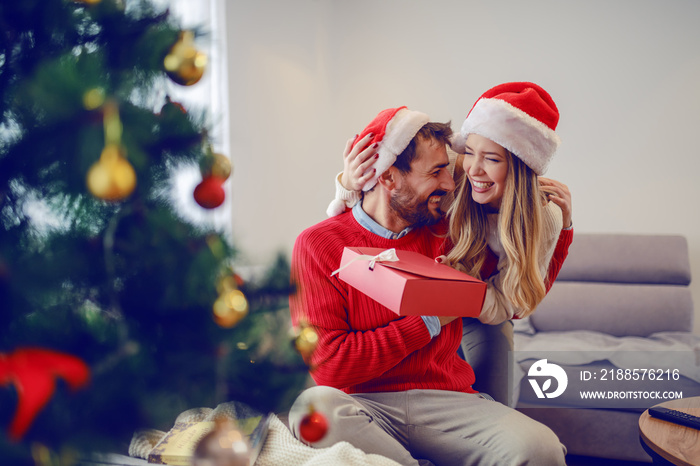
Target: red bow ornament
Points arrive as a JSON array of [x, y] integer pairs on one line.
[[33, 372]]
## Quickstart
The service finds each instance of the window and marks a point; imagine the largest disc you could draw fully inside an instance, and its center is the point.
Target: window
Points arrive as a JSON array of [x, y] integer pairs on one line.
[[209, 95]]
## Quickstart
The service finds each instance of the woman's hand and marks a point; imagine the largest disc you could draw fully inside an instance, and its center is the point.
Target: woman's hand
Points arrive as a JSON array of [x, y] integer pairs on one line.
[[356, 161], [558, 193], [443, 260]]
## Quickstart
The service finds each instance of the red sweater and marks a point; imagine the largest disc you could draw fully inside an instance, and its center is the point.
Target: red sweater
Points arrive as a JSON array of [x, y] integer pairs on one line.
[[363, 346]]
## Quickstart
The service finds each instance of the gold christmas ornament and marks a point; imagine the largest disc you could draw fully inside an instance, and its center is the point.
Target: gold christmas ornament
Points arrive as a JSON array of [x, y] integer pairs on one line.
[[111, 123], [184, 64], [214, 164], [223, 446], [111, 178], [230, 308], [221, 167], [94, 98], [228, 283], [306, 342], [225, 284]]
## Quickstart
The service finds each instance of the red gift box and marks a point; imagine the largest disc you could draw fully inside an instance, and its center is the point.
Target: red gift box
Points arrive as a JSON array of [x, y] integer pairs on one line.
[[412, 285]]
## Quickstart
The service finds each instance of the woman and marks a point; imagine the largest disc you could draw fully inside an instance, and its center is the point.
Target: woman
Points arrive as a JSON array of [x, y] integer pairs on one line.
[[507, 140], [505, 223]]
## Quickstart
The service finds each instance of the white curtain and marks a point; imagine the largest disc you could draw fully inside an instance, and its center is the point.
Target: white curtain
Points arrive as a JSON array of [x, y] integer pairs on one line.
[[208, 95]]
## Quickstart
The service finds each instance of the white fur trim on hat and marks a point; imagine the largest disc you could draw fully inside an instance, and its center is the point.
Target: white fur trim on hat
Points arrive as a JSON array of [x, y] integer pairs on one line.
[[400, 130], [526, 137]]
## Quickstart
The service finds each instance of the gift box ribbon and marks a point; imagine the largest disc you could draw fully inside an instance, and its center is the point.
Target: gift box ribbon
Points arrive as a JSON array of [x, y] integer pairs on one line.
[[388, 255]]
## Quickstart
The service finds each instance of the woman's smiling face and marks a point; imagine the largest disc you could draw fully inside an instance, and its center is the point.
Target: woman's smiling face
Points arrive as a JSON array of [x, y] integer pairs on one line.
[[486, 167]]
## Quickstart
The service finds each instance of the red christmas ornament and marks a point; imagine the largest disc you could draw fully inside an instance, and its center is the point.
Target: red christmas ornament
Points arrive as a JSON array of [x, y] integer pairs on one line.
[[313, 426], [33, 372], [210, 192], [170, 107]]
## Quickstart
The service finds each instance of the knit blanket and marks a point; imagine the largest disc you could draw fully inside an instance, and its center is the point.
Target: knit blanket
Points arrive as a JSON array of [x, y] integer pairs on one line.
[[280, 446]]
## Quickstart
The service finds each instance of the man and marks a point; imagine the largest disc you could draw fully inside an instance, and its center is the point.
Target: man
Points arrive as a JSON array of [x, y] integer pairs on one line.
[[391, 385]]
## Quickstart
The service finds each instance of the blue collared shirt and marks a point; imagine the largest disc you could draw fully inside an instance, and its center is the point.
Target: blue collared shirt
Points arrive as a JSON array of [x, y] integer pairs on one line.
[[432, 322], [369, 223]]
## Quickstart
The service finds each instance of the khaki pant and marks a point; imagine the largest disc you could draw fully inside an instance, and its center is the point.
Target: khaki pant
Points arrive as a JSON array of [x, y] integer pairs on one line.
[[424, 427]]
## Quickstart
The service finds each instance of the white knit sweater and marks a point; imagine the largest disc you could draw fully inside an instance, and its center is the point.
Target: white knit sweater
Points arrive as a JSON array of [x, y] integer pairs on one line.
[[496, 307]]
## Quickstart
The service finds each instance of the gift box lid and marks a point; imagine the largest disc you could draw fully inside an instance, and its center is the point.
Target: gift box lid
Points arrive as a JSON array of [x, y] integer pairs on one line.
[[410, 283]]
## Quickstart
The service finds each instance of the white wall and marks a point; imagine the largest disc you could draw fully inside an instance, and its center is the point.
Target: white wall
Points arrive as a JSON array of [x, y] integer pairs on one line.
[[305, 75]]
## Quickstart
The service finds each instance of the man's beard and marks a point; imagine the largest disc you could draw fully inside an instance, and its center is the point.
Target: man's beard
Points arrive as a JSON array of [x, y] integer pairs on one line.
[[416, 214]]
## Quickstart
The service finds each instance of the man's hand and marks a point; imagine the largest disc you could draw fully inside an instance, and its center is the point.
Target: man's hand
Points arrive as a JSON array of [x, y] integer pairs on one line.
[[356, 161], [558, 193]]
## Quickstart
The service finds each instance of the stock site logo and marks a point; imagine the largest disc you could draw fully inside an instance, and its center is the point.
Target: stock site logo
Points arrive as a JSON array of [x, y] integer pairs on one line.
[[542, 369]]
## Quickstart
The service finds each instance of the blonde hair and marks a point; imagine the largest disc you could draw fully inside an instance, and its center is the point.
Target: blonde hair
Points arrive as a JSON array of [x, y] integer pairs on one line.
[[520, 227]]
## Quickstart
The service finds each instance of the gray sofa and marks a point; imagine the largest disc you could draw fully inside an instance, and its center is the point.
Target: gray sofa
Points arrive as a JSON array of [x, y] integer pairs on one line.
[[617, 296]]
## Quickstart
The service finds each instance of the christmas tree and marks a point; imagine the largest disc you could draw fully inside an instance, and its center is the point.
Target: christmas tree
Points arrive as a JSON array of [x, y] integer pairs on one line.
[[116, 313]]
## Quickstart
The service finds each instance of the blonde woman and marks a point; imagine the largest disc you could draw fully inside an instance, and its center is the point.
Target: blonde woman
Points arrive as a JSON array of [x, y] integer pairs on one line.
[[501, 205]]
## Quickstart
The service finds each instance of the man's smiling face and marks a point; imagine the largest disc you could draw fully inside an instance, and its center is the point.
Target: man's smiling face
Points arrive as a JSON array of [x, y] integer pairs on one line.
[[419, 193]]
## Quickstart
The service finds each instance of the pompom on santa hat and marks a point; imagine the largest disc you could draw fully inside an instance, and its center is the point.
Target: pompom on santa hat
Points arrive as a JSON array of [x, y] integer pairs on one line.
[[521, 117]]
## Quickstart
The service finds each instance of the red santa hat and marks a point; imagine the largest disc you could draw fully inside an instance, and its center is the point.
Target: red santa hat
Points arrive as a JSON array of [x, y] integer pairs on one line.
[[393, 129], [521, 117]]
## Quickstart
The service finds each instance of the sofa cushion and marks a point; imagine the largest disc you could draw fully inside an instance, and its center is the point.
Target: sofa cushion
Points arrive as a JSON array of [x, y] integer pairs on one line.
[[615, 308], [627, 258], [670, 358], [573, 398]]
